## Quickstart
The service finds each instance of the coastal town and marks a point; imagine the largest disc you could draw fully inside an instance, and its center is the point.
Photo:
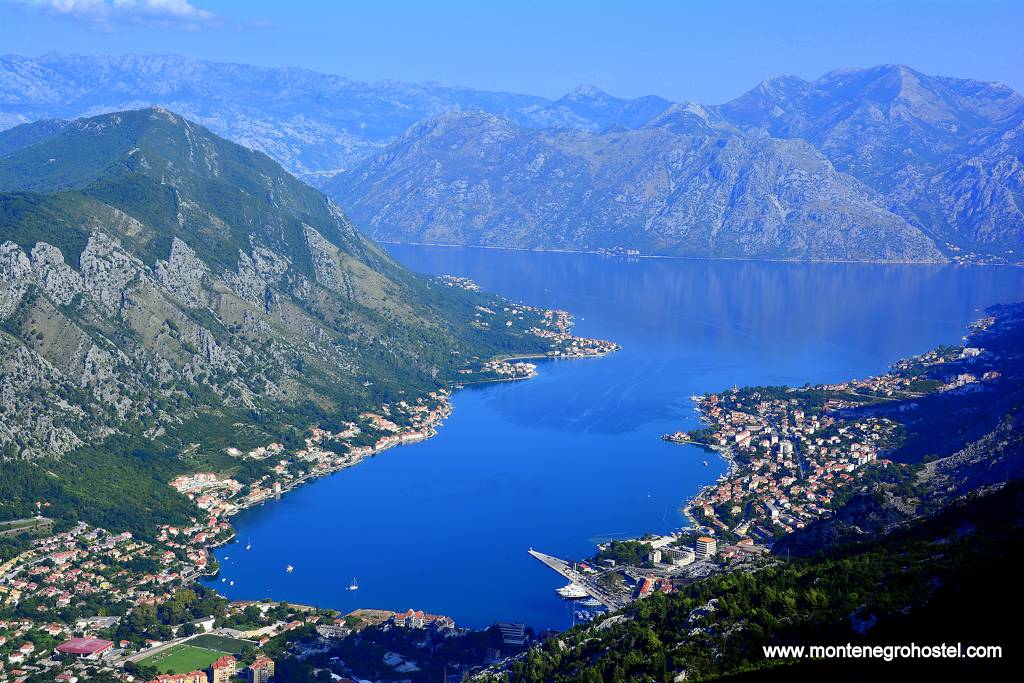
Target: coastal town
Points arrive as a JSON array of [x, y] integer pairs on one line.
[[795, 453], [87, 602]]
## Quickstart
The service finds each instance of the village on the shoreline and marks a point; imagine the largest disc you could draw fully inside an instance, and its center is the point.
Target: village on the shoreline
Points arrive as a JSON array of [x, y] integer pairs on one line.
[[793, 453]]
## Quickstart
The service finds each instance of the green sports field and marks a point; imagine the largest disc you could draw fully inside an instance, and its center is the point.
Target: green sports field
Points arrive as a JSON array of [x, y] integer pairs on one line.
[[213, 641], [197, 653], [182, 659]]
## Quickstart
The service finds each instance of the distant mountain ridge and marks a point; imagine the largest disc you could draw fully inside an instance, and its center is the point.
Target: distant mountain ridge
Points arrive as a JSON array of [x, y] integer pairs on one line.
[[881, 164], [945, 151], [314, 124]]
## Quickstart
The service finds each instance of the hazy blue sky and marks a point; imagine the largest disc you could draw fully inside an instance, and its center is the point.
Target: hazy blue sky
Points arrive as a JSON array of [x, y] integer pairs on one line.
[[685, 50]]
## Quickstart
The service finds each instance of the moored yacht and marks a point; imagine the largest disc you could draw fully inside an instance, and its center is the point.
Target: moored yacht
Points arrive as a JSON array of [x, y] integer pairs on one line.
[[572, 591]]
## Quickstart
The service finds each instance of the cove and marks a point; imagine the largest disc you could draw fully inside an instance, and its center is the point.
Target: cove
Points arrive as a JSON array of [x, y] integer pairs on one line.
[[573, 456]]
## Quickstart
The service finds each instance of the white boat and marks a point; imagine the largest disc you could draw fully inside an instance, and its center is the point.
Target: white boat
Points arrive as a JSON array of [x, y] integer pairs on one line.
[[705, 463], [572, 591], [248, 546], [231, 583], [289, 569], [353, 586]]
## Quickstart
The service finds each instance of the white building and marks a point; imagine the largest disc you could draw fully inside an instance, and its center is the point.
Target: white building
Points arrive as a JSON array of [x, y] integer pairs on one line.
[[706, 547]]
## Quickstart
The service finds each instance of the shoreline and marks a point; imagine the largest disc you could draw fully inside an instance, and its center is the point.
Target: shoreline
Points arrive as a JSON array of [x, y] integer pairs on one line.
[[694, 258], [723, 452], [726, 455]]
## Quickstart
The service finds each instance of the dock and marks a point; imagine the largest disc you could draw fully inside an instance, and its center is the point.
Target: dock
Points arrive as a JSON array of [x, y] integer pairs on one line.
[[609, 600]]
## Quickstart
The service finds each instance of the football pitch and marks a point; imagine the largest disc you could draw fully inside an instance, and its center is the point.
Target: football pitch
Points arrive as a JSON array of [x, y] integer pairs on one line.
[[182, 659]]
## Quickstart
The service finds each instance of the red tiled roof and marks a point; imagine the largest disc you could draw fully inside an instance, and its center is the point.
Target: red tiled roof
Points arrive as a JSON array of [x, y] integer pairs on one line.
[[84, 646], [225, 661]]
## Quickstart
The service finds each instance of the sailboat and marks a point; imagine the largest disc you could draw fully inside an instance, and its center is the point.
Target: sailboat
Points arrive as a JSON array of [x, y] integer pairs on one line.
[[248, 545], [289, 569], [354, 586]]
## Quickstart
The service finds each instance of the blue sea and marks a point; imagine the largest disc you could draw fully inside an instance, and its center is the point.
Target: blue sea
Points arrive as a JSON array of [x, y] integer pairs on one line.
[[573, 457]]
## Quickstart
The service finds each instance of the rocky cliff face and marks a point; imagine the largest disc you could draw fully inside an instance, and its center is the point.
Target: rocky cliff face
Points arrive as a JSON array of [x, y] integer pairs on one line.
[[158, 272]]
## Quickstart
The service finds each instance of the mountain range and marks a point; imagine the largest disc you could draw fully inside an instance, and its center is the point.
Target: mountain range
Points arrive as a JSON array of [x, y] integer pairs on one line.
[[313, 124], [882, 164], [879, 164]]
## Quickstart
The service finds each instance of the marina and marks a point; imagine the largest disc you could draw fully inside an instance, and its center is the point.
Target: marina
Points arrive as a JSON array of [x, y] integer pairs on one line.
[[587, 584]]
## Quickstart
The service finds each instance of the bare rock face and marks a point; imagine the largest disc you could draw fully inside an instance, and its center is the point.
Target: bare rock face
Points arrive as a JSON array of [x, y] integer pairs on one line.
[[57, 278], [184, 275], [15, 274], [107, 269], [325, 262]]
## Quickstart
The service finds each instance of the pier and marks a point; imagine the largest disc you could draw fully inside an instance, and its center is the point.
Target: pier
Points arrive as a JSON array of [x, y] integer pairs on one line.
[[606, 598]]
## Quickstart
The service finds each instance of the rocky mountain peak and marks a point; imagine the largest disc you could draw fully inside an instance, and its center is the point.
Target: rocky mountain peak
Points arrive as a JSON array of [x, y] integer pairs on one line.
[[587, 92]]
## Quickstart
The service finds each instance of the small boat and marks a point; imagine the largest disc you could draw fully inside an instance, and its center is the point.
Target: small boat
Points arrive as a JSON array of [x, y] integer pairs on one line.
[[354, 586], [223, 580], [572, 591], [231, 583], [591, 602], [289, 569], [705, 463], [248, 546]]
